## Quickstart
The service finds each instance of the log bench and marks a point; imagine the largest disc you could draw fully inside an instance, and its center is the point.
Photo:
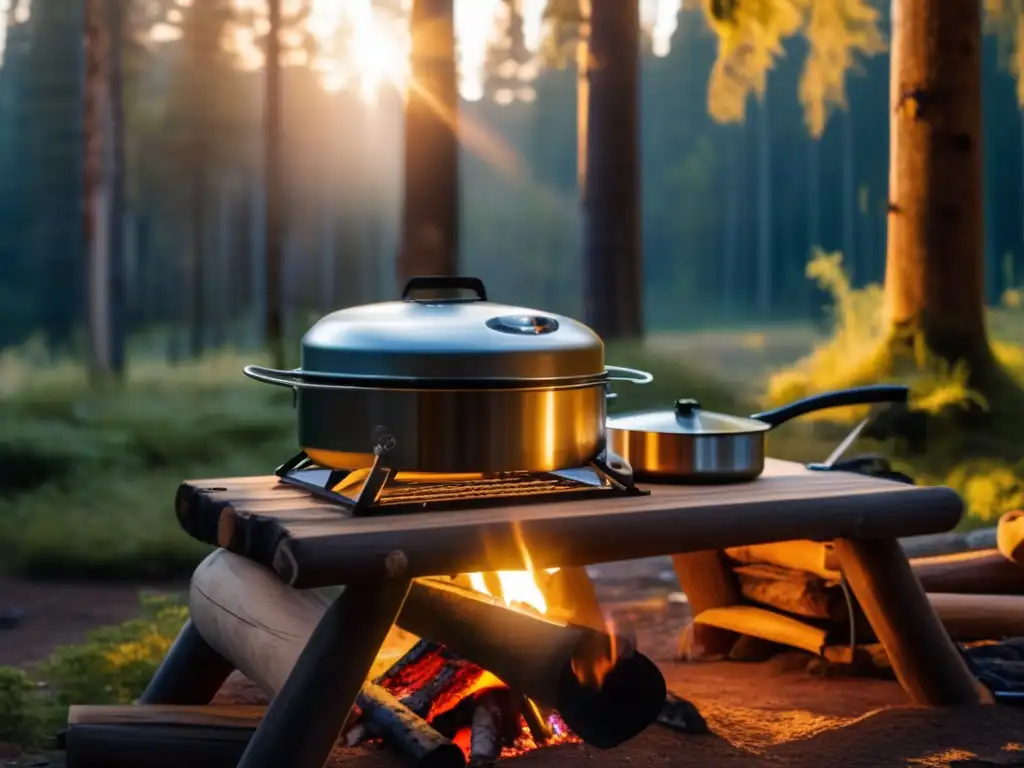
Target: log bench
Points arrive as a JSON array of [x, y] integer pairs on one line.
[[311, 544]]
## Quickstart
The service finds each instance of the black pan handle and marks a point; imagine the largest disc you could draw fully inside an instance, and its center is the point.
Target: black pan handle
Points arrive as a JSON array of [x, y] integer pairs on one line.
[[444, 283], [877, 393]]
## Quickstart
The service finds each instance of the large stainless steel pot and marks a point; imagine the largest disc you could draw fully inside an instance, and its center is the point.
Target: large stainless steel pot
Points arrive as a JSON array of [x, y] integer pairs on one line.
[[689, 444], [450, 385]]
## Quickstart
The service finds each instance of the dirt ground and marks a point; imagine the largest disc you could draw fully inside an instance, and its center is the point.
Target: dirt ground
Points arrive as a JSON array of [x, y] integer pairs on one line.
[[61, 613], [770, 714]]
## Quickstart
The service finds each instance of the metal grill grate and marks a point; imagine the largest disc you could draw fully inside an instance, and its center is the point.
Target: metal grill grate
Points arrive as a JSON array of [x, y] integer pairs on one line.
[[397, 495], [484, 489]]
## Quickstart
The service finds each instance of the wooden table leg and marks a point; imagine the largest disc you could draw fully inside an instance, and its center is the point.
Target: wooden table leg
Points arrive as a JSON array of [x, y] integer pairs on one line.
[[923, 657], [191, 673], [304, 719], [708, 582]]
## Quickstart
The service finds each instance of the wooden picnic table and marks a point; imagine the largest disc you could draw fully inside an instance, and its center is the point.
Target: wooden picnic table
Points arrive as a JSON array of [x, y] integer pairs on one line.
[[311, 543]]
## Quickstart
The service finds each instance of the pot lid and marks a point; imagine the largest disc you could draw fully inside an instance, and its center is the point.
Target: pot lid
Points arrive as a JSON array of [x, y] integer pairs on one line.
[[686, 418], [432, 333]]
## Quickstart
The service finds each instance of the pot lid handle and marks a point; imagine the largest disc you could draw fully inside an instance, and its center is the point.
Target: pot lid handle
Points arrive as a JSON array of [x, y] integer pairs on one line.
[[444, 283], [686, 407]]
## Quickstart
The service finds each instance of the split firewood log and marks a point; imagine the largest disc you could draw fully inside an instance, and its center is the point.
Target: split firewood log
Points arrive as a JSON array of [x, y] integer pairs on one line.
[[1010, 536]]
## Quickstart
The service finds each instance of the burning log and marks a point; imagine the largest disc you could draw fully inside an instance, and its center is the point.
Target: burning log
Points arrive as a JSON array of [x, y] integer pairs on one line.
[[604, 690], [407, 730]]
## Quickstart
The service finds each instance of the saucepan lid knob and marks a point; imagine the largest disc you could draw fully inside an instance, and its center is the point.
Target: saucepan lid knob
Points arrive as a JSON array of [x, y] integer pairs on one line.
[[686, 407]]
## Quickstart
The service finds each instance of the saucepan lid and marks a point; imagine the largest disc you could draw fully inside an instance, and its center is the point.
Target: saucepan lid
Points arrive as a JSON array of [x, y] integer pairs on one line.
[[686, 417]]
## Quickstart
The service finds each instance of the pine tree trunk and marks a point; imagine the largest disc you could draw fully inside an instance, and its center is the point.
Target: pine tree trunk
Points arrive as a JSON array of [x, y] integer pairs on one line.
[[935, 257], [116, 264], [274, 190], [430, 211], [813, 208], [96, 191], [854, 267], [612, 251], [765, 217], [731, 220], [197, 248]]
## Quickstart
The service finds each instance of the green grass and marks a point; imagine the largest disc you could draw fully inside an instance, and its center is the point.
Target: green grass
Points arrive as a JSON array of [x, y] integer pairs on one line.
[[87, 479], [113, 666]]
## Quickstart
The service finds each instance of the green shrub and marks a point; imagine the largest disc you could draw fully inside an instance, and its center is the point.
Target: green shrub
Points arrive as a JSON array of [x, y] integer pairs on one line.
[[113, 666]]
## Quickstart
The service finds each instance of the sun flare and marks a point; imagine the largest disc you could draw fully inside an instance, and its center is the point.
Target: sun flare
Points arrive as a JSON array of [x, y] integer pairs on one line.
[[364, 44]]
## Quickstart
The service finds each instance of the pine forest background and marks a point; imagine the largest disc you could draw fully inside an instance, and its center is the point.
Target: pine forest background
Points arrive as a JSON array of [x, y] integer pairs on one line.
[[730, 212]]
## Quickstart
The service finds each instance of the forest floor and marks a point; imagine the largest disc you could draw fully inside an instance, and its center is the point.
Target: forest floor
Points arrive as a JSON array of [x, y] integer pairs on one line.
[[772, 713]]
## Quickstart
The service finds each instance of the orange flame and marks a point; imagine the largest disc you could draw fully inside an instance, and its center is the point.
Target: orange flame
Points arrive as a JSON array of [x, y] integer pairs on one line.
[[590, 670]]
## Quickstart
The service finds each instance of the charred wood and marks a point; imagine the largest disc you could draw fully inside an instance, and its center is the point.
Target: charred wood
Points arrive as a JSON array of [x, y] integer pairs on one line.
[[404, 729], [487, 731], [681, 715], [552, 662]]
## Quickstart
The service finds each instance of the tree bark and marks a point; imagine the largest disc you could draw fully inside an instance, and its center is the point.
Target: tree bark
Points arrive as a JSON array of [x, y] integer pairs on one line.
[[430, 210], [612, 251], [273, 189], [935, 260], [97, 188], [765, 235], [116, 264]]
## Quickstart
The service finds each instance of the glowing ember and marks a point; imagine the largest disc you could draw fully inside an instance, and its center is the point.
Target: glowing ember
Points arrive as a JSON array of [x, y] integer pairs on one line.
[[448, 691]]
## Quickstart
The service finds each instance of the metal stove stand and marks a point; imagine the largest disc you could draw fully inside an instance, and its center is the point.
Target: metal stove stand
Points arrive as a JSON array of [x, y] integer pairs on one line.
[[385, 492]]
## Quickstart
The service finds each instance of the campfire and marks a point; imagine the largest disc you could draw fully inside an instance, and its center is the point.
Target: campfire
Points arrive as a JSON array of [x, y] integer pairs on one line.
[[442, 709]]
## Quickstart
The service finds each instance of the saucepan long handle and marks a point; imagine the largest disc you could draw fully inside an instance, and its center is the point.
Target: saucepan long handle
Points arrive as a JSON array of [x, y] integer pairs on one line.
[[878, 393]]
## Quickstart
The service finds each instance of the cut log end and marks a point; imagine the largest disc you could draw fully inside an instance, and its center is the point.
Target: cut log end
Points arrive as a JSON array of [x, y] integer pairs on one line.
[[629, 698]]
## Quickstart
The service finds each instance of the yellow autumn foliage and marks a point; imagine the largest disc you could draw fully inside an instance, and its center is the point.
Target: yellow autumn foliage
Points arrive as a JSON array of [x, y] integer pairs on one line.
[[1005, 19], [751, 34]]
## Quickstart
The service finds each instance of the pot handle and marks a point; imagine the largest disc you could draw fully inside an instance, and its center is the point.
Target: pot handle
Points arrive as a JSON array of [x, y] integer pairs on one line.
[[441, 283], [289, 379], [877, 393], [637, 377]]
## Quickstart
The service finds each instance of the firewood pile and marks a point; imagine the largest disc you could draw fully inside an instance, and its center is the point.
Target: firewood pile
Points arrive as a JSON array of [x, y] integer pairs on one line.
[[793, 595]]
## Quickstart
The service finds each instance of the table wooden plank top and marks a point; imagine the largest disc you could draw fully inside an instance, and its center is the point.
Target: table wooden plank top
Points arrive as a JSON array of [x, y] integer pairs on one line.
[[311, 543]]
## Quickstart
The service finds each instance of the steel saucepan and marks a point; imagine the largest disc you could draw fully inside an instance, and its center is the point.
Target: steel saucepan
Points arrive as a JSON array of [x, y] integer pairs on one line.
[[690, 445], [449, 384]]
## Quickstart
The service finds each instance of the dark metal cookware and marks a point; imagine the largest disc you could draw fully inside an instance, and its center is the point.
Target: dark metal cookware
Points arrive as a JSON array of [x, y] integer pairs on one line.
[[450, 384], [689, 444]]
